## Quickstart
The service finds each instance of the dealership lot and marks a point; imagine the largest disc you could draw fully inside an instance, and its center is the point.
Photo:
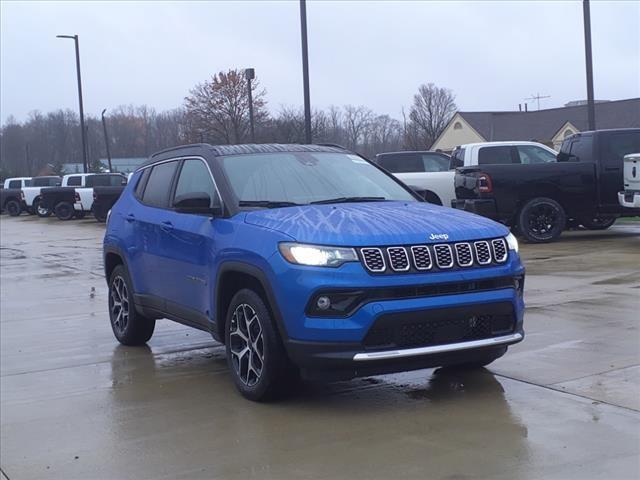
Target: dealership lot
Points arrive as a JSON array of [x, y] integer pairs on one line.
[[565, 403]]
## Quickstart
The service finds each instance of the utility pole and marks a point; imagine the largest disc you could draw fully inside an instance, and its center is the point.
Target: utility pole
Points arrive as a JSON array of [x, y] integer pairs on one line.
[[82, 129], [106, 140], [591, 110], [250, 74], [305, 71]]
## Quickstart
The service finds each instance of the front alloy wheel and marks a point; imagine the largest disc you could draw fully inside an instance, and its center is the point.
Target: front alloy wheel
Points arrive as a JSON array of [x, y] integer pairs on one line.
[[246, 344], [541, 220]]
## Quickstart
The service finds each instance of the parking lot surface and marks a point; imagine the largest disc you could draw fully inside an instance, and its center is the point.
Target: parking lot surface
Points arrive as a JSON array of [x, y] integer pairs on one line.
[[564, 404]]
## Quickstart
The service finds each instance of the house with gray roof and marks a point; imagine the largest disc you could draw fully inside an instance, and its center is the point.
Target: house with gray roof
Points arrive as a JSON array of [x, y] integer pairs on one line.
[[549, 126]]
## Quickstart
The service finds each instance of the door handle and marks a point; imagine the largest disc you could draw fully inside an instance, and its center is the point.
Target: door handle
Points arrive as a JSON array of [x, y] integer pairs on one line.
[[166, 226], [130, 218]]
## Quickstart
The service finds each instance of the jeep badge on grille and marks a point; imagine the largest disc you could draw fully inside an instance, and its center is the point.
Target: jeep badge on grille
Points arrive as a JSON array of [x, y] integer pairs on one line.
[[439, 236]]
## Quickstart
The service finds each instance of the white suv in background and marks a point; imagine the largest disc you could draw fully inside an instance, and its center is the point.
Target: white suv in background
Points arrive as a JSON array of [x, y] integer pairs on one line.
[[428, 174]]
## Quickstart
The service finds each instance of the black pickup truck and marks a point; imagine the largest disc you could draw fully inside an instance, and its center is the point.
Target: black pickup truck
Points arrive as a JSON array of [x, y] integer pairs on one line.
[[103, 199], [540, 200]]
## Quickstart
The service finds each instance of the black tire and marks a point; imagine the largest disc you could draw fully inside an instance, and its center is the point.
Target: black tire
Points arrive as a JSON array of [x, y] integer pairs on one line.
[[129, 327], [13, 208], [270, 367], [64, 211], [80, 214], [541, 220], [598, 222], [40, 209]]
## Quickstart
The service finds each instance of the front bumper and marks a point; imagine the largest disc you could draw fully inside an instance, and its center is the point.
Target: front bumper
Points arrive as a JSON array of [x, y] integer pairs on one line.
[[485, 207], [629, 199]]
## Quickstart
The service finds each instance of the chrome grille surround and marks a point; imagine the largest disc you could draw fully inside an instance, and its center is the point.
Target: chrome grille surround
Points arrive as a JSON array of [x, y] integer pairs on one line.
[[464, 255], [398, 259], [421, 257], [483, 252], [444, 255], [500, 250], [373, 259]]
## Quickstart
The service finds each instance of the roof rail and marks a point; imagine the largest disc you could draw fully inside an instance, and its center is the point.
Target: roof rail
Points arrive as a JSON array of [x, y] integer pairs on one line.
[[179, 147], [335, 145]]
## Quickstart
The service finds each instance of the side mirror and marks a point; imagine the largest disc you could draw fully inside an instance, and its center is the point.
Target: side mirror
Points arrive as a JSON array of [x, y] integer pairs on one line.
[[196, 202], [455, 163]]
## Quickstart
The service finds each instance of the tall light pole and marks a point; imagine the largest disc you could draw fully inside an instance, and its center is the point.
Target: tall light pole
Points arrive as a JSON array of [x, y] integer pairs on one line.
[[591, 109], [250, 74], [305, 71], [106, 139], [83, 131]]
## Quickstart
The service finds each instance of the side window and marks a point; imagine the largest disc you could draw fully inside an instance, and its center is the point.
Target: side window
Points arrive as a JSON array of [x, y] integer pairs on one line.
[[14, 184], [530, 155], [142, 182], [195, 178], [457, 158], [581, 148], [499, 155], [435, 162], [158, 188], [74, 181], [402, 163]]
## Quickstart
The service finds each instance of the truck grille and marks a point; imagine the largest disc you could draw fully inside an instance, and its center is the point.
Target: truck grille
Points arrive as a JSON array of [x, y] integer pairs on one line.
[[499, 250], [398, 259], [373, 259], [441, 326], [443, 256]]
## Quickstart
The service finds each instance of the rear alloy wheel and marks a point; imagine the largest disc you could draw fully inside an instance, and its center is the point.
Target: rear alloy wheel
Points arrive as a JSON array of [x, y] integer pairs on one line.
[[598, 222], [64, 211], [255, 355], [13, 208], [541, 220], [40, 209], [129, 327]]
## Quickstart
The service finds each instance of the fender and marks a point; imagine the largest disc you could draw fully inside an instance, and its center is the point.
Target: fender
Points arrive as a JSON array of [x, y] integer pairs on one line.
[[261, 277]]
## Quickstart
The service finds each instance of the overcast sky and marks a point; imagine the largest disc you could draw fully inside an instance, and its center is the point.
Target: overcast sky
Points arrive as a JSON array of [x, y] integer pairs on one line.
[[491, 54]]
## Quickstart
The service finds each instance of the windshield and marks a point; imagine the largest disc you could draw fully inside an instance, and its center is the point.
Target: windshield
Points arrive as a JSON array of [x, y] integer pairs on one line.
[[305, 177]]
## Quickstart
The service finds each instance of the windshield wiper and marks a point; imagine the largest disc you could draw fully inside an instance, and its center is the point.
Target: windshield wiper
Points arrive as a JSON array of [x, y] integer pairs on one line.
[[267, 203], [349, 200]]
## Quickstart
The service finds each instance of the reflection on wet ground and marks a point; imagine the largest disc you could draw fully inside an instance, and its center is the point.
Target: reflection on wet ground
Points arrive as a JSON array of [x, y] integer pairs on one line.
[[563, 404]]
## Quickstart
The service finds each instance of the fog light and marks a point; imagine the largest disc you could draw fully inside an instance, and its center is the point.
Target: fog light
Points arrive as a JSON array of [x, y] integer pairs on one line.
[[323, 303]]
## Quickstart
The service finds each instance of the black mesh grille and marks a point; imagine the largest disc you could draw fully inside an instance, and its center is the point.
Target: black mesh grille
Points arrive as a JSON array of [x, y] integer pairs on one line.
[[499, 250], [443, 326], [373, 259], [463, 254], [444, 256], [398, 259], [421, 257], [483, 254]]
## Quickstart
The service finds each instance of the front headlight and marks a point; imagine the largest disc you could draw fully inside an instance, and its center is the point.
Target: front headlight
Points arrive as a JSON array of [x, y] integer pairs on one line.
[[512, 242], [317, 255]]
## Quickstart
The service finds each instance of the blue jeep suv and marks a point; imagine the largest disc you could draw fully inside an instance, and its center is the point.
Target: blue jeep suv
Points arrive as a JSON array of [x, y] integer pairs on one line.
[[307, 259]]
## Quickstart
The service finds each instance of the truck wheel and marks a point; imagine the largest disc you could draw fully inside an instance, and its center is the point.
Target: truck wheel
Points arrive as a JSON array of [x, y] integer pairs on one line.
[[13, 208], [541, 220], [598, 222], [129, 327], [40, 209], [255, 354], [64, 211]]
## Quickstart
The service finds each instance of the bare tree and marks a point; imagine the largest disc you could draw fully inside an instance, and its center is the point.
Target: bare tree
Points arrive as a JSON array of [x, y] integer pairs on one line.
[[356, 122], [430, 112], [219, 108]]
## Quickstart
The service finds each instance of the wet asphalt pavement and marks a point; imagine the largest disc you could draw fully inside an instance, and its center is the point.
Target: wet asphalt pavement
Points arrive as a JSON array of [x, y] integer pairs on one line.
[[563, 404]]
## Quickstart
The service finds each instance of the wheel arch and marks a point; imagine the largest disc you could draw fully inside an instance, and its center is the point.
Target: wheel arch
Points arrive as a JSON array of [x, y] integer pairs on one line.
[[233, 276]]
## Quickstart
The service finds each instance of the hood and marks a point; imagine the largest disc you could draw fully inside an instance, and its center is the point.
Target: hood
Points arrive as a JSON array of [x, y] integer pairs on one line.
[[376, 223]]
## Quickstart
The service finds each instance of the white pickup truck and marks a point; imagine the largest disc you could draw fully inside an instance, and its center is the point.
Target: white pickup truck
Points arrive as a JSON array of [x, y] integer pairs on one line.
[[31, 194], [84, 195], [427, 174], [630, 197], [10, 195]]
